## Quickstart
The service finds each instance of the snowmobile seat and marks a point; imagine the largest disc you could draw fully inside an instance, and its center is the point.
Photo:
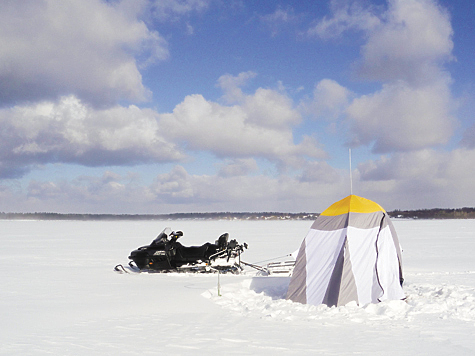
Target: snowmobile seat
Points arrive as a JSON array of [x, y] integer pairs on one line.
[[193, 253]]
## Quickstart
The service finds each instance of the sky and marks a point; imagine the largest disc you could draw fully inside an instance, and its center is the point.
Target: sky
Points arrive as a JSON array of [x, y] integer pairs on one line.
[[165, 106]]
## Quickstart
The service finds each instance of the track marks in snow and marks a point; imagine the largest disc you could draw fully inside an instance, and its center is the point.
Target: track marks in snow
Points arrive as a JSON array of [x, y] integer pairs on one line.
[[247, 298], [447, 301]]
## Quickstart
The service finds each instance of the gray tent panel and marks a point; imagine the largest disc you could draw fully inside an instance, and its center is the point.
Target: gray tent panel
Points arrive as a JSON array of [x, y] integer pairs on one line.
[[365, 220], [348, 290], [298, 284], [358, 220], [330, 223], [334, 286]]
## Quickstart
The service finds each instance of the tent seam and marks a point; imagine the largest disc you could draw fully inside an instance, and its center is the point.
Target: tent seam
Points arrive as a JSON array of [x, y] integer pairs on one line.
[[377, 255]]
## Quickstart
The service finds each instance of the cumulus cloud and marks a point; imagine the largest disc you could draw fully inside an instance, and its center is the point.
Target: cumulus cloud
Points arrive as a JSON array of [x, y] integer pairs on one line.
[[438, 178], [246, 192], [413, 165], [231, 85], [410, 45], [112, 191], [173, 191], [84, 47], [260, 125], [180, 187], [329, 101], [402, 118], [238, 167], [408, 41], [407, 44], [175, 186], [271, 109], [68, 131], [320, 172]]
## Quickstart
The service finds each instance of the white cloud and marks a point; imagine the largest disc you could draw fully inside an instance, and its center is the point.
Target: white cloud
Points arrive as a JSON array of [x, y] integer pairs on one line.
[[113, 192], [179, 187], [238, 167], [401, 166], [320, 172], [346, 15], [329, 100], [174, 187], [82, 47], [269, 108], [189, 29], [231, 85], [279, 18], [260, 127], [437, 178], [173, 191], [402, 118], [410, 44], [406, 47], [409, 41], [71, 132]]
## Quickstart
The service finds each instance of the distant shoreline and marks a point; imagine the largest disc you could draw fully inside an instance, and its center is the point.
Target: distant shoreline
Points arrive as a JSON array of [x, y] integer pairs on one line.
[[462, 213], [145, 217]]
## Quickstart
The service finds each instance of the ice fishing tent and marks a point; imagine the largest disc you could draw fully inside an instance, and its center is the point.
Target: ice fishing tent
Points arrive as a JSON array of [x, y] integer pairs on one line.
[[351, 253]]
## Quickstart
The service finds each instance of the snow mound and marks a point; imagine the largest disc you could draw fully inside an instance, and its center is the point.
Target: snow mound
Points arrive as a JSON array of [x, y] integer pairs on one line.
[[264, 297], [447, 301]]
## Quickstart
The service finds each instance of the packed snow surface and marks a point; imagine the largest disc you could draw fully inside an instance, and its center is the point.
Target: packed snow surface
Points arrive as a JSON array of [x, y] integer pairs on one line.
[[60, 296]]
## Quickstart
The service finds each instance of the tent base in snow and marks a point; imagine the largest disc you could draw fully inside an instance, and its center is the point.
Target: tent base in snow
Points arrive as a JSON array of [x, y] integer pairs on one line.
[[351, 253]]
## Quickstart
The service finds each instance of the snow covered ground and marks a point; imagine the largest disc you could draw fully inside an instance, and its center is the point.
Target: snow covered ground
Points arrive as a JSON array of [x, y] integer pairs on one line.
[[60, 296]]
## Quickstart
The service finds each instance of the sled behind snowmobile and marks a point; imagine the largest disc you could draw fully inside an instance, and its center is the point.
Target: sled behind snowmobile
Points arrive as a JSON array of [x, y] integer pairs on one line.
[[166, 254]]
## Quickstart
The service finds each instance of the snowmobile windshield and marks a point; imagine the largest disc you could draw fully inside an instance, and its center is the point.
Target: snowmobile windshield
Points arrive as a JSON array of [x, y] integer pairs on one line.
[[163, 235]]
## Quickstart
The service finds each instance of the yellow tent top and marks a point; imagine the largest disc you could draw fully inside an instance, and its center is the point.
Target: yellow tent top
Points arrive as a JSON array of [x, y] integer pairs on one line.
[[354, 204]]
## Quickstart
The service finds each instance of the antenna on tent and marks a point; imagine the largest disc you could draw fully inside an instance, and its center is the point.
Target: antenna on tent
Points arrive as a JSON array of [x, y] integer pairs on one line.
[[351, 174]]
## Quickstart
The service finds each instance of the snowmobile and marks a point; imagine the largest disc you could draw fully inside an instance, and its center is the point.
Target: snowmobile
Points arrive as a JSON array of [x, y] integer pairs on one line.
[[166, 254]]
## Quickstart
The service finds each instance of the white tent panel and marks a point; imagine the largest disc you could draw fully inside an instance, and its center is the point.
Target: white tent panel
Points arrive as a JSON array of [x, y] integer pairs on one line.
[[320, 262], [388, 266], [362, 251]]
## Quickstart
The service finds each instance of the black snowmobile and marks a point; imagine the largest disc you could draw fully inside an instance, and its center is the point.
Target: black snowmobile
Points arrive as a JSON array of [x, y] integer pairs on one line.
[[166, 254]]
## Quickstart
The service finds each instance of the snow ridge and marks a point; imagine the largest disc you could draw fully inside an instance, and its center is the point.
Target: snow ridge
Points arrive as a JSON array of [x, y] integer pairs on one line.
[[249, 298]]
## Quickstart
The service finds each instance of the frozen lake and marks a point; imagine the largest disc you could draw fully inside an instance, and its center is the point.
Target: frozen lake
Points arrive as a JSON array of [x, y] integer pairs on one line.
[[60, 295]]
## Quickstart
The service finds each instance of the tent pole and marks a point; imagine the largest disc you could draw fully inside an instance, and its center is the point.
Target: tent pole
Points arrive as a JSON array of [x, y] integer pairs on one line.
[[351, 174]]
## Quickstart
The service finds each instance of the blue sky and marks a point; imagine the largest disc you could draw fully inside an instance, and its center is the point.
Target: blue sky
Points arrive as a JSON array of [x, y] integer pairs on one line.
[[170, 106]]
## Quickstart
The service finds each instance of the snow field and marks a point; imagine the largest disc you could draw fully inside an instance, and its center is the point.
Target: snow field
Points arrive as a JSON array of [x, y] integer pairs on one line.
[[59, 295]]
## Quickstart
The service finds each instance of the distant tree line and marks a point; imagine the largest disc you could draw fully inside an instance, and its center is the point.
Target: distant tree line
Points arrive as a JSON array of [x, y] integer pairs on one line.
[[175, 216], [462, 213]]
